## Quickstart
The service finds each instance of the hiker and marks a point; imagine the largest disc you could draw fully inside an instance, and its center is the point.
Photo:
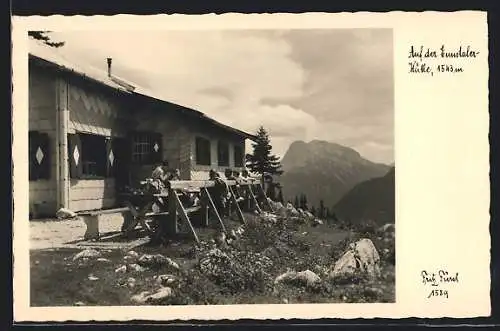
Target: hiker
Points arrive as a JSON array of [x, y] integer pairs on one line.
[[238, 190], [229, 174], [175, 175], [158, 177], [160, 172], [220, 193]]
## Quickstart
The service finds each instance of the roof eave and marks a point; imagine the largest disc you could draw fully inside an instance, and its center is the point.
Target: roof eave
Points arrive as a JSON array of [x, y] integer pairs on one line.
[[76, 73]]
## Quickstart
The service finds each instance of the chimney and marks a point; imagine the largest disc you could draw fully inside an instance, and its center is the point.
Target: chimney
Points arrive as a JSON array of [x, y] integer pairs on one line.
[[109, 66]]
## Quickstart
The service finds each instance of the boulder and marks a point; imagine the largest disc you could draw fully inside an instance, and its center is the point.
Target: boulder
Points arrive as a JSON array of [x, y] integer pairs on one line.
[[362, 257], [140, 298], [345, 266], [306, 277], [317, 222], [387, 231], [131, 282], [65, 213], [136, 267], [92, 277], [86, 253], [368, 256], [291, 211], [162, 293], [156, 261], [121, 269], [166, 279], [132, 254], [308, 215], [269, 218], [101, 259]]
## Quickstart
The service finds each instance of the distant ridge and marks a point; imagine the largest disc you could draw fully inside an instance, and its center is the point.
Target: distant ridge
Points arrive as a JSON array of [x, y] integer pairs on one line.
[[324, 170], [373, 199]]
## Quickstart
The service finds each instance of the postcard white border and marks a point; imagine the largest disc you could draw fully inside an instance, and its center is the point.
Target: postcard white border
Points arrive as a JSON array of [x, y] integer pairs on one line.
[[441, 156]]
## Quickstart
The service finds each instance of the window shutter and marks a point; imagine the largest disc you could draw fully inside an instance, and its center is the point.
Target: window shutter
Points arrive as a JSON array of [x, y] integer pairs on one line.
[[111, 158], [156, 148], [39, 155], [33, 142], [43, 156], [75, 156]]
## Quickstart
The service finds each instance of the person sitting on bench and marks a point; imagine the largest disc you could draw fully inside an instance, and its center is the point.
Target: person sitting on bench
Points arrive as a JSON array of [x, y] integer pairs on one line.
[[220, 193], [175, 175], [160, 175], [229, 174]]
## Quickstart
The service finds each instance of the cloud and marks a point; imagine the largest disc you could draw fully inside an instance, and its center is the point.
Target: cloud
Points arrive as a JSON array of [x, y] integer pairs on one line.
[[334, 85]]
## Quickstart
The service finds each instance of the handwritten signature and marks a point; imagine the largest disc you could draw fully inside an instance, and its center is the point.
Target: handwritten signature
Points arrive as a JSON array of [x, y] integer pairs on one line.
[[442, 276], [435, 279]]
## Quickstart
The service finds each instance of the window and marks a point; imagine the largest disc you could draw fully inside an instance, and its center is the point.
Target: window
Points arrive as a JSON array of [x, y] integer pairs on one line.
[[238, 156], [203, 155], [146, 147], [93, 155], [223, 154], [141, 147]]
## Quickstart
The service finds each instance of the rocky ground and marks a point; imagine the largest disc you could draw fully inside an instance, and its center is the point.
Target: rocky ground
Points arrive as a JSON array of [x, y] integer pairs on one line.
[[289, 258]]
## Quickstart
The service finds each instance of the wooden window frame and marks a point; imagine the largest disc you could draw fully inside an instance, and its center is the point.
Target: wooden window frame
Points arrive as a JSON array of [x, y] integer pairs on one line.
[[146, 154], [208, 154], [240, 158], [222, 161], [102, 172], [141, 147]]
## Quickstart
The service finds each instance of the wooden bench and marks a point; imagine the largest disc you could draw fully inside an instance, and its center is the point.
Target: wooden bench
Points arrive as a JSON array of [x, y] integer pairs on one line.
[[91, 219]]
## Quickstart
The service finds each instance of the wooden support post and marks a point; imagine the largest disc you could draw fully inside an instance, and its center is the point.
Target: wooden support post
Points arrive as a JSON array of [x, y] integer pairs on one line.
[[204, 209], [261, 190], [248, 198], [129, 223], [235, 202], [212, 207], [92, 222], [184, 216], [171, 225], [254, 199]]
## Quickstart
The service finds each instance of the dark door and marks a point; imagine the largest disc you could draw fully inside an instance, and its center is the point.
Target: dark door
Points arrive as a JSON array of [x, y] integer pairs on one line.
[[122, 162]]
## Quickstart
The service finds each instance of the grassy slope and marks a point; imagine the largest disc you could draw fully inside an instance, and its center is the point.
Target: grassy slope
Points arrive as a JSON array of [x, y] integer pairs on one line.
[[58, 281]]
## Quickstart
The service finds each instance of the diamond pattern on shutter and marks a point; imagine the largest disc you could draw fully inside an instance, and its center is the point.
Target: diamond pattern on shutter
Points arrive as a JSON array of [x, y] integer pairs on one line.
[[76, 155], [39, 155], [156, 147], [111, 157]]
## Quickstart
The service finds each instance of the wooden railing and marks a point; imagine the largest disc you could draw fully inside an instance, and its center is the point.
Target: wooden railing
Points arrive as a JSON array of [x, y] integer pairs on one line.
[[249, 193]]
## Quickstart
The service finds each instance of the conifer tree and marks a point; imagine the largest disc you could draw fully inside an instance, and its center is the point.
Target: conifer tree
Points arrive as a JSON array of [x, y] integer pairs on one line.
[[321, 213], [313, 210], [262, 161], [280, 195], [42, 36]]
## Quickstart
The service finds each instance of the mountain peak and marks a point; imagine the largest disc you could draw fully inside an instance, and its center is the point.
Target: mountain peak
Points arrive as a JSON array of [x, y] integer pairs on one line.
[[324, 170], [301, 154]]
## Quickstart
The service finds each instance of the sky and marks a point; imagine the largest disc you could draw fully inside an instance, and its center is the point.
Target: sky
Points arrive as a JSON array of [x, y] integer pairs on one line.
[[326, 84]]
